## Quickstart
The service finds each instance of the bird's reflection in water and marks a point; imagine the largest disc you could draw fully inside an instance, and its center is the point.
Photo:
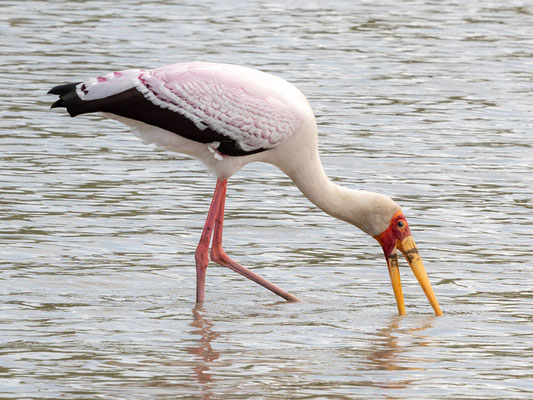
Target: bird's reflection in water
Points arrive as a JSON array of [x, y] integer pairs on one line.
[[387, 354], [204, 350]]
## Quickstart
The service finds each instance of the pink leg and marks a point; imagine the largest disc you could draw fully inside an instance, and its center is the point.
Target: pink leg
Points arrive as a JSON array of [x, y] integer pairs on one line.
[[219, 256], [202, 251]]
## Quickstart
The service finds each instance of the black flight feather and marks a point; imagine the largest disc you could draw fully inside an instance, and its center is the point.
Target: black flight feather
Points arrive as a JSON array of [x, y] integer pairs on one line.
[[132, 104]]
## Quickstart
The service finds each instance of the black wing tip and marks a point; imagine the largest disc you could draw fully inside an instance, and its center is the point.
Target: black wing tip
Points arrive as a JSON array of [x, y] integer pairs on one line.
[[61, 90], [57, 104]]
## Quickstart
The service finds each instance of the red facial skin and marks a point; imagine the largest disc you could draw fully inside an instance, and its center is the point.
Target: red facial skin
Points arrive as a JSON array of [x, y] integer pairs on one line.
[[397, 231]]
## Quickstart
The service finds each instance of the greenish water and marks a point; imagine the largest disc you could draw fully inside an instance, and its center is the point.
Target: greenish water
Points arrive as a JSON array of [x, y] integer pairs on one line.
[[429, 102]]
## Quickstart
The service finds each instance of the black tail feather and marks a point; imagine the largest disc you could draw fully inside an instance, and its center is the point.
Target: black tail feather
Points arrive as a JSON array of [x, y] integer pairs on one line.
[[62, 90], [58, 103], [67, 98]]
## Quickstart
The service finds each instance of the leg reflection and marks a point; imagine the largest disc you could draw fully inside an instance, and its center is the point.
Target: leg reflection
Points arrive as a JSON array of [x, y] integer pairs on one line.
[[204, 350]]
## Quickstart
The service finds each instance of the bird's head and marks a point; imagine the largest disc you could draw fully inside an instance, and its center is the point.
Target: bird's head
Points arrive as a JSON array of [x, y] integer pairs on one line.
[[397, 236], [380, 217]]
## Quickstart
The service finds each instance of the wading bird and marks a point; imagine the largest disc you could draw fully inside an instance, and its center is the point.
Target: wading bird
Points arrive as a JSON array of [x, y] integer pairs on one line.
[[228, 116]]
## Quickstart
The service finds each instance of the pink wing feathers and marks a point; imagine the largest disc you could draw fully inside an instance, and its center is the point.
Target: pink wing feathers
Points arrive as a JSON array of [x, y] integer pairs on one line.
[[249, 108]]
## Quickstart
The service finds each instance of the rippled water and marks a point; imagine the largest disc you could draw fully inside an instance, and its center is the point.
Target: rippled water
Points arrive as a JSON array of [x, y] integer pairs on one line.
[[429, 102]]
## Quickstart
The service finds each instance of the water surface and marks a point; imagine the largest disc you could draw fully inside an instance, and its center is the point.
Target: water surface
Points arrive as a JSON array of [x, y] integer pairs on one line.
[[428, 102]]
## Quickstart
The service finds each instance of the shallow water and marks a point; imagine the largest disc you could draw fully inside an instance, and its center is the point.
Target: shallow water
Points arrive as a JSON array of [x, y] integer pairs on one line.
[[429, 102]]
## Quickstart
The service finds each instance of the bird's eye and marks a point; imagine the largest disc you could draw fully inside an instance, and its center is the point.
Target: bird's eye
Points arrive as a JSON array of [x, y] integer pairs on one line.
[[401, 224]]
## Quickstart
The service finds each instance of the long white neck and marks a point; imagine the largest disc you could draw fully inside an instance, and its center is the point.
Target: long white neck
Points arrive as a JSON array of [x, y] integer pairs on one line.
[[370, 212]]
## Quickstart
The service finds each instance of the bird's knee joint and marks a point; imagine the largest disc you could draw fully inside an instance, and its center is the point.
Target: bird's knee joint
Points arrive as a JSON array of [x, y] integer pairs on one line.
[[218, 255]]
